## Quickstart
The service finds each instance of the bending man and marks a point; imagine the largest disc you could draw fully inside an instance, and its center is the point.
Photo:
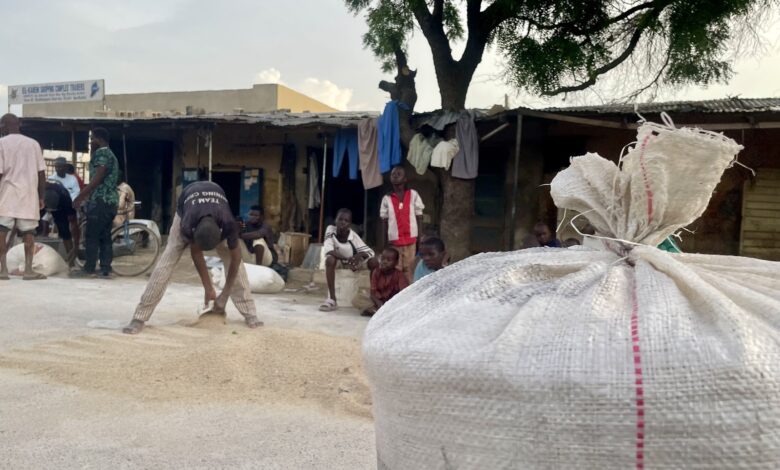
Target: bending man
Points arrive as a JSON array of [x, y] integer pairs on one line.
[[203, 222]]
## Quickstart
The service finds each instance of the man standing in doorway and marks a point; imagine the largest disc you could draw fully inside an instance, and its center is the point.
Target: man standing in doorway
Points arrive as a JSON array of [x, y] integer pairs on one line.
[[203, 222], [22, 182], [401, 212], [61, 176], [102, 198]]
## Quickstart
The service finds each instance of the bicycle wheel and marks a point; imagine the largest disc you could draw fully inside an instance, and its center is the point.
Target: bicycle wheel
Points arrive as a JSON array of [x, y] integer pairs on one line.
[[136, 249]]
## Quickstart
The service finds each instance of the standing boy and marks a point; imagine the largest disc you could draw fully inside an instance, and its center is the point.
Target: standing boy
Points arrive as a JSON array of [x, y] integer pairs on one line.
[[203, 222], [401, 212], [344, 249], [22, 181], [433, 254], [386, 282], [101, 207]]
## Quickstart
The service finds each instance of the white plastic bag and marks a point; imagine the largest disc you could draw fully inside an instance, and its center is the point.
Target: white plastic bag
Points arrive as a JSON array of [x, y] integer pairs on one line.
[[46, 260], [616, 358], [262, 280]]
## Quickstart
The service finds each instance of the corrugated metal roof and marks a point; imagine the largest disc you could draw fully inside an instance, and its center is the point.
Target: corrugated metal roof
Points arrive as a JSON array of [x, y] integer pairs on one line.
[[726, 105], [278, 119]]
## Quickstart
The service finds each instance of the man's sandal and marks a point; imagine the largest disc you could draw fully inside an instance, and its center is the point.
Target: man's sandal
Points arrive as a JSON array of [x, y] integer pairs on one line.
[[329, 306]]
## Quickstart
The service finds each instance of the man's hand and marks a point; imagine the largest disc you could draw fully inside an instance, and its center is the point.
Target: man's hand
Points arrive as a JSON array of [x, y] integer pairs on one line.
[[78, 202], [221, 302], [210, 295], [354, 262]]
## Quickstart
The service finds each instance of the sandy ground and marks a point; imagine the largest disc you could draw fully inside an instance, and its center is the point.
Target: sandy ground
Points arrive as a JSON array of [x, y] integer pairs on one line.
[[183, 394]]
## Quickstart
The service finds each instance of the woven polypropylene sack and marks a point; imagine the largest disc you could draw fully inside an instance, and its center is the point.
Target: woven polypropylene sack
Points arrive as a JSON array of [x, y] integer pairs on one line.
[[46, 260], [622, 357]]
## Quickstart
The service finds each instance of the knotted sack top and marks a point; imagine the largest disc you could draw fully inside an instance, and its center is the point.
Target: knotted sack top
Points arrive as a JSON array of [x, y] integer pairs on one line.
[[664, 184]]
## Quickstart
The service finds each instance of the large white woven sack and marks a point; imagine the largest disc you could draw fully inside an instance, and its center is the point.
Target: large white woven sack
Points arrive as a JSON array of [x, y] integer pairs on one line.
[[617, 358], [46, 260], [262, 280]]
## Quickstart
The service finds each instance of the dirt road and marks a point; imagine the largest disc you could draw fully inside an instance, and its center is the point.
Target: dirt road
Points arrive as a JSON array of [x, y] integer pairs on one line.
[[181, 394]]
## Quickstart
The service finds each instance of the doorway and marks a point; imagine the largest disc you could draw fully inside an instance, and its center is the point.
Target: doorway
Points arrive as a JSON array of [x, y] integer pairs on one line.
[[230, 182]]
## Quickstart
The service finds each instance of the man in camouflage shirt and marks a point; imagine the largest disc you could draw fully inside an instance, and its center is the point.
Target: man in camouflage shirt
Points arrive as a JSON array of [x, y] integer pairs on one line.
[[102, 199]]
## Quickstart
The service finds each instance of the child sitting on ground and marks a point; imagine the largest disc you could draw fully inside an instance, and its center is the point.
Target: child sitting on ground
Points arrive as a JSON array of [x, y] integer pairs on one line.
[[433, 255], [386, 281]]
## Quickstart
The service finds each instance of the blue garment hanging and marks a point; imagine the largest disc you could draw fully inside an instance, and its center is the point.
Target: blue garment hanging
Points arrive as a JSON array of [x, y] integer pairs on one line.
[[389, 133], [346, 140]]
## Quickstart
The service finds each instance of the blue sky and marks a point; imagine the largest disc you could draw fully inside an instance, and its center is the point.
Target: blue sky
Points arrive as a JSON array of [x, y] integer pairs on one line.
[[313, 46]]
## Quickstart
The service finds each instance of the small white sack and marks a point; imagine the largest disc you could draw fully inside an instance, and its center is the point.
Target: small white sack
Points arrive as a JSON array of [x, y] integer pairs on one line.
[[46, 260], [616, 358], [262, 280]]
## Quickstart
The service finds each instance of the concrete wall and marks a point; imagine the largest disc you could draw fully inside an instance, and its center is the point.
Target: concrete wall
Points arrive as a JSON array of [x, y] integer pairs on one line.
[[236, 147], [258, 99]]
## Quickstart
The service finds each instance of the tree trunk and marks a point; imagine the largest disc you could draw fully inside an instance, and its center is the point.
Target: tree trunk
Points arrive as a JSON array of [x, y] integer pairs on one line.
[[457, 212], [457, 209]]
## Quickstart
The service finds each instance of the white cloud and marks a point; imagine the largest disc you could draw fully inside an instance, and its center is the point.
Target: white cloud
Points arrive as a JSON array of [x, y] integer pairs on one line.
[[327, 92], [271, 75], [321, 90]]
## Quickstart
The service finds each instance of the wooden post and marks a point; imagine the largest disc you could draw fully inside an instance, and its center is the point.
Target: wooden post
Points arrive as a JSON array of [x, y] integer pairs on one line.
[[513, 212], [322, 191]]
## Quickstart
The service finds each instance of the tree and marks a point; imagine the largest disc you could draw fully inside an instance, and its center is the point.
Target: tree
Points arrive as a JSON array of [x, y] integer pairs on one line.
[[554, 47]]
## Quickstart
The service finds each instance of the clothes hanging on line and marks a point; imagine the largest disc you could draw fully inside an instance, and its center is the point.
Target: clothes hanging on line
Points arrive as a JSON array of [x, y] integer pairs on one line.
[[389, 142], [465, 165], [367, 147], [346, 141], [420, 152], [443, 154]]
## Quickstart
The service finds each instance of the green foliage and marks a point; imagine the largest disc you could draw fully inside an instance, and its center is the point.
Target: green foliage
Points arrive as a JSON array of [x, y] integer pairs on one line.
[[557, 46]]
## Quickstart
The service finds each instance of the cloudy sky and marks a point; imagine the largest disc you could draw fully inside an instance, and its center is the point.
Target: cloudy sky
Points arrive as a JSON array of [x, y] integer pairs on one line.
[[313, 46]]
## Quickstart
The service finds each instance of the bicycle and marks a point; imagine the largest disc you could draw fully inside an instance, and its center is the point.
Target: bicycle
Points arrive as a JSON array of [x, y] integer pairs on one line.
[[136, 245]]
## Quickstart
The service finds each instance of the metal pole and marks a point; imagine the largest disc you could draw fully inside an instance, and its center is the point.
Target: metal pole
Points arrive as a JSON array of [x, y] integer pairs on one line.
[[73, 146], [124, 153], [211, 135], [322, 191], [518, 140]]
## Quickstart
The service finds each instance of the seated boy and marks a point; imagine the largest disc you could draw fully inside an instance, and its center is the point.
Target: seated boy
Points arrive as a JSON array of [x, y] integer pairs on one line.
[[433, 255], [259, 237], [344, 249], [387, 281], [544, 236]]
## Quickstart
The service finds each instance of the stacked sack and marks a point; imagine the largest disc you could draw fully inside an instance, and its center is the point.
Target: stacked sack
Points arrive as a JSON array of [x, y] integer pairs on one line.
[[621, 357]]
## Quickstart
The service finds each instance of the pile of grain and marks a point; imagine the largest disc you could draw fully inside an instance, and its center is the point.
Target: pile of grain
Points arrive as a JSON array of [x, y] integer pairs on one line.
[[209, 362]]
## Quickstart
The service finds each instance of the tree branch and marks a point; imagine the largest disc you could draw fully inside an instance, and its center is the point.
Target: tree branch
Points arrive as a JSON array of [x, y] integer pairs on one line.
[[608, 66], [438, 10], [495, 14], [433, 30], [477, 37]]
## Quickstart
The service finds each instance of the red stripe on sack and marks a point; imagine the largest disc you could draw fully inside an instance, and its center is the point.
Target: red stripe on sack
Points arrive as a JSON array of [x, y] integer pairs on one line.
[[648, 189], [638, 384]]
